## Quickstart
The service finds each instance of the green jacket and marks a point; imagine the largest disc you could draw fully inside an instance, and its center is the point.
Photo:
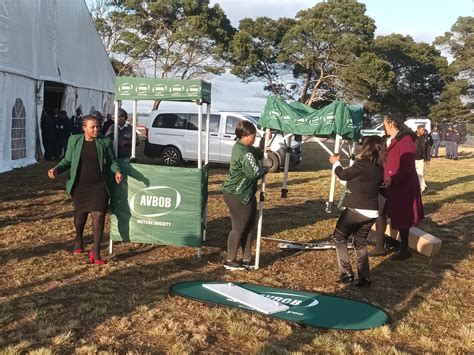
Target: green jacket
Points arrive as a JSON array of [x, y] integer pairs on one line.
[[244, 172], [107, 161]]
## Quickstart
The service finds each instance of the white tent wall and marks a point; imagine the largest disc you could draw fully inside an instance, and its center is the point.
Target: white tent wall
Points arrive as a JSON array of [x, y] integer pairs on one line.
[[17, 121], [48, 40], [55, 41]]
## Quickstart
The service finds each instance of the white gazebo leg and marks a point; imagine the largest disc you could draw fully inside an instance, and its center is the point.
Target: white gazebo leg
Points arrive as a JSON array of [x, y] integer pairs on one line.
[[261, 205], [284, 190], [333, 177]]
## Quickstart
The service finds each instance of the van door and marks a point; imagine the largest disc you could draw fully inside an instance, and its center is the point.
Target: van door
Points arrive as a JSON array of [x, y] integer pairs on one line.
[[229, 123], [191, 139]]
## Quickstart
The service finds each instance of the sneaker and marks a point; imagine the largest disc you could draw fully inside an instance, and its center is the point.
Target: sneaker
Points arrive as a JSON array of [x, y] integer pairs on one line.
[[232, 265], [247, 265]]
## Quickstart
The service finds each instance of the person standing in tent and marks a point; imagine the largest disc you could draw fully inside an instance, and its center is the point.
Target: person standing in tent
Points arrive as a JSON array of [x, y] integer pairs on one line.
[[404, 204], [91, 161], [363, 181], [76, 122], [239, 194], [48, 133], [63, 131], [125, 136], [107, 124]]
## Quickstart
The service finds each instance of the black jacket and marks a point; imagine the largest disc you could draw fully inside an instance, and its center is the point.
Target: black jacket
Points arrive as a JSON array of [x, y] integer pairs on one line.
[[422, 148], [363, 181]]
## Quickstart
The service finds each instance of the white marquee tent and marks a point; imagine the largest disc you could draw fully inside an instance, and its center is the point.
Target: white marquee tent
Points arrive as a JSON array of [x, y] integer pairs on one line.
[[50, 54]]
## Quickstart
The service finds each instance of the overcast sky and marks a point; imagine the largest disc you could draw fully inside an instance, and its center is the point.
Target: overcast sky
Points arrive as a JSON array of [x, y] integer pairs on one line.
[[424, 20]]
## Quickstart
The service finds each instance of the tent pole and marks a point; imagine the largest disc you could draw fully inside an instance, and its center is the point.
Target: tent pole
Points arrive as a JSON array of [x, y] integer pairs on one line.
[[199, 157], [284, 190], [333, 177], [116, 108], [208, 119], [134, 130], [262, 200]]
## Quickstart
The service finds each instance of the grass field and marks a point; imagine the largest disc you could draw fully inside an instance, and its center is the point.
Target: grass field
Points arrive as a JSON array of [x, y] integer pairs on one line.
[[54, 302]]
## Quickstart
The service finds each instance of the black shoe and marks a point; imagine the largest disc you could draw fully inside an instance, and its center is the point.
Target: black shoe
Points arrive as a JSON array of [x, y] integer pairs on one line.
[[401, 255], [378, 253], [366, 281], [247, 265], [346, 278], [232, 265], [456, 158]]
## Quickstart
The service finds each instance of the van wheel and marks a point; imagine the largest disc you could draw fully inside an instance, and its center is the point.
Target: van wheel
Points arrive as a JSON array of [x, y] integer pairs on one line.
[[273, 162], [171, 156]]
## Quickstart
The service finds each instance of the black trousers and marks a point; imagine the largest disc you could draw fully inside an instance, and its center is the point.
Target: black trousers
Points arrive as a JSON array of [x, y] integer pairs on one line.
[[243, 219], [353, 223]]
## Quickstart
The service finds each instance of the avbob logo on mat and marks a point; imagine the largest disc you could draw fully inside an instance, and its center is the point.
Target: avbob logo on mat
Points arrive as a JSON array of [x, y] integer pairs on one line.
[[155, 201], [291, 299]]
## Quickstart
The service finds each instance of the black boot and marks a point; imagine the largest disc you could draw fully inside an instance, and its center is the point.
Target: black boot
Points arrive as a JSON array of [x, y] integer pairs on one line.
[[365, 281], [346, 277]]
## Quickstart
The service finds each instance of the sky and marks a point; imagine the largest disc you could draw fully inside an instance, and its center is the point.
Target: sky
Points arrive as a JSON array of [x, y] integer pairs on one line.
[[424, 20]]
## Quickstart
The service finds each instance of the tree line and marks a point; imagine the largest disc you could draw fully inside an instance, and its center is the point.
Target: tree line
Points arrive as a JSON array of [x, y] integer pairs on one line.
[[329, 51]]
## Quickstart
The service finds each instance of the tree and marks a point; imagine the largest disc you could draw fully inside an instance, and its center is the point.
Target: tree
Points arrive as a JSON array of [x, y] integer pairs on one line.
[[324, 39], [420, 73], [175, 38], [459, 42], [450, 106], [255, 49], [367, 80], [315, 47]]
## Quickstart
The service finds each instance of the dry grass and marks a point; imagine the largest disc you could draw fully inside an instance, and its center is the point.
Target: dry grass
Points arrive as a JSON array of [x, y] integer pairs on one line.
[[53, 302]]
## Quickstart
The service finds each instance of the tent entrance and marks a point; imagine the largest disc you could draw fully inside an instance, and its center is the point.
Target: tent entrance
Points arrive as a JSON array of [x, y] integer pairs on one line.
[[53, 96]]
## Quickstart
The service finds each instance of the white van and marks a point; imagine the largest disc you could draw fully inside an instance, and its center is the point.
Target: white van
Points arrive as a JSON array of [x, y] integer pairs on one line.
[[412, 123], [173, 138]]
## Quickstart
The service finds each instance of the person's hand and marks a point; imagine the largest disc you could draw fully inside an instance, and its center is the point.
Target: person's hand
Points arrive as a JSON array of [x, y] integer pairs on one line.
[[118, 177], [387, 182], [52, 173], [333, 159], [269, 134], [427, 163]]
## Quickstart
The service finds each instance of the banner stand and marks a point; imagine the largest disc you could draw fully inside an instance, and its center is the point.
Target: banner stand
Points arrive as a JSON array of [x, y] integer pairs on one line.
[[198, 91]]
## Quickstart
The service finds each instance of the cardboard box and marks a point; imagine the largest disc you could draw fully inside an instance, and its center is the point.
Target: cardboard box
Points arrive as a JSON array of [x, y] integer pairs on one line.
[[418, 240]]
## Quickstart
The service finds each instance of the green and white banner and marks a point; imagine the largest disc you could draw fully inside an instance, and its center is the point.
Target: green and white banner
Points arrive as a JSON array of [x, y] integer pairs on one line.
[[130, 88], [159, 205], [307, 308]]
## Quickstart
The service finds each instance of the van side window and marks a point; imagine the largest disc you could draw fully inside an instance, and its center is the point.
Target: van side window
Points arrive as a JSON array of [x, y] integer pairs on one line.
[[214, 120], [169, 120], [231, 123]]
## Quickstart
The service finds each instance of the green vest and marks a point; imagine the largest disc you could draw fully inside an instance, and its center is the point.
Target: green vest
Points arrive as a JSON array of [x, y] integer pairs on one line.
[[105, 152], [244, 172]]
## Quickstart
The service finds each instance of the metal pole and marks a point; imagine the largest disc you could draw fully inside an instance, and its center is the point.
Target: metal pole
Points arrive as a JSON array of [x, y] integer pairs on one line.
[[199, 152], [333, 178], [260, 208], [134, 130], [284, 190], [208, 119], [116, 109]]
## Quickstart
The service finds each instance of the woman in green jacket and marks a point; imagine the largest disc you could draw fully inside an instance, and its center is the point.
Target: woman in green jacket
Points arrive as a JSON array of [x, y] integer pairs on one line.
[[239, 194], [91, 161]]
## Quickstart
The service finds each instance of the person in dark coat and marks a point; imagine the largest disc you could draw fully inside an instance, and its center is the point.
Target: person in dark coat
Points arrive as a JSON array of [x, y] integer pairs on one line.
[[361, 207], [90, 158], [455, 140], [401, 181], [422, 154], [436, 137], [107, 124], [63, 131], [48, 133], [76, 122]]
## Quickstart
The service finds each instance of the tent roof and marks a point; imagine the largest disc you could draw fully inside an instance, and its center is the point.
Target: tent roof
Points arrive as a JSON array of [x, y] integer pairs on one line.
[[55, 41], [129, 88], [336, 118]]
